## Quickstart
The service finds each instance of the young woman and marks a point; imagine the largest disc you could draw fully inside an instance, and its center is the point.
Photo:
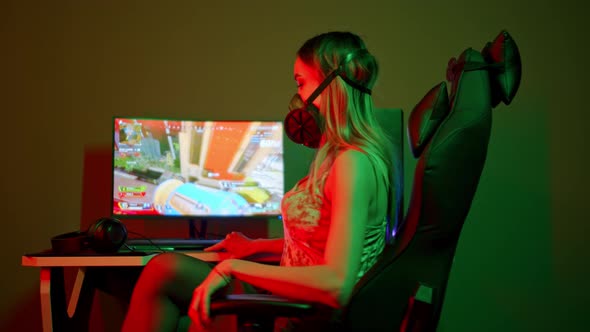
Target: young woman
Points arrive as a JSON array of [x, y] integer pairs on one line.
[[334, 219]]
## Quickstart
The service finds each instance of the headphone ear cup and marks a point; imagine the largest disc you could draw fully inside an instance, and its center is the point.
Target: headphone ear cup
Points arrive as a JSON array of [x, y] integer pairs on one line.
[[92, 229], [107, 235]]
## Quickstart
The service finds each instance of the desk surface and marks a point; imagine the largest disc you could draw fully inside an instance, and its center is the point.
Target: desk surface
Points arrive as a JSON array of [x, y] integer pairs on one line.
[[123, 260]]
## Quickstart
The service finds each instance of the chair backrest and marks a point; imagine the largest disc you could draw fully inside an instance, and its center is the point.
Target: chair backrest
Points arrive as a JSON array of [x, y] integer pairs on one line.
[[392, 121], [449, 135]]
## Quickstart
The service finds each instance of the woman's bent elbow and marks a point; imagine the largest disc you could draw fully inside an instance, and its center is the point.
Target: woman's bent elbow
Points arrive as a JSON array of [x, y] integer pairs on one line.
[[343, 299], [340, 296]]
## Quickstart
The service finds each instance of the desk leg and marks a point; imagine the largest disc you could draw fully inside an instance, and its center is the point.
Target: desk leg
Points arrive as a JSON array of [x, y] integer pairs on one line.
[[53, 304], [80, 304], [46, 314], [76, 292], [55, 315]]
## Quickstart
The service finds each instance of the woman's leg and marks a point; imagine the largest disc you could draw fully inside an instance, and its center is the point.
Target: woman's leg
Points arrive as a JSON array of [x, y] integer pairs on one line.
[[163, 292]]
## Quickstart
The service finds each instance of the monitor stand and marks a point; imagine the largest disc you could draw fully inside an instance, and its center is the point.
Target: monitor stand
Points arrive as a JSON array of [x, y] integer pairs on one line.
[[194, 233]]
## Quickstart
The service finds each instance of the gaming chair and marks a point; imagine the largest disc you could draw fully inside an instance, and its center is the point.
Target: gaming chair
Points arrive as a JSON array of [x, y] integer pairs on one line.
[[449, 134]]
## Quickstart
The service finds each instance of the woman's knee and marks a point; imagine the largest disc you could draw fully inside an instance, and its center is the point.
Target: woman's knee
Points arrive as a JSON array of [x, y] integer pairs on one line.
[[165, 263], [173, 267]]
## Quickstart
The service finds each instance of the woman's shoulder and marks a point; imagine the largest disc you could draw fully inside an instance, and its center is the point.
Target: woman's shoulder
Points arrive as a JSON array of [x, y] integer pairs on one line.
[[350, 171], [349, 164], [352, 156]]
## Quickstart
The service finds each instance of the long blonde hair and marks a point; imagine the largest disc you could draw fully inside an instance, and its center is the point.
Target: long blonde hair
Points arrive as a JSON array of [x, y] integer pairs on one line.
[[349, 118]]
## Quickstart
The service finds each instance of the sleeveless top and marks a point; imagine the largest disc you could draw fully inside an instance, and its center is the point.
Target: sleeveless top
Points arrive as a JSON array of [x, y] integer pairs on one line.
[[306, 223]]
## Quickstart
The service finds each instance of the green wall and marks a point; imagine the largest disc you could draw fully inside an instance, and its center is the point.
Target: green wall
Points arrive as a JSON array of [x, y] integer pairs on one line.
[[66, 67]]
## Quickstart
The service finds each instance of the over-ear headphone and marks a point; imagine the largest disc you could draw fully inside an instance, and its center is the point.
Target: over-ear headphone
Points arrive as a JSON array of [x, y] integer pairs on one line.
[[106, 235]]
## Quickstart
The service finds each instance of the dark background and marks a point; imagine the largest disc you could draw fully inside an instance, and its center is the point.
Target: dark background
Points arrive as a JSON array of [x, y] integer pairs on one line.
[[67, 67]]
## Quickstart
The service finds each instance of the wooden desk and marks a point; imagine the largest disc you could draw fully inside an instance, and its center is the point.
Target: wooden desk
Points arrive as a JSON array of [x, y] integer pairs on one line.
[[56, 316]]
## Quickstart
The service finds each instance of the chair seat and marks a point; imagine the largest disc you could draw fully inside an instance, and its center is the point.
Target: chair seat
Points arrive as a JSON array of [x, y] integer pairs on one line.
[[261, 305]]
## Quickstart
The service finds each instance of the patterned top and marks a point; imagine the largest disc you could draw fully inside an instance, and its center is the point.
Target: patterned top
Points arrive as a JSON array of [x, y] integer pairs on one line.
[[306, 223]]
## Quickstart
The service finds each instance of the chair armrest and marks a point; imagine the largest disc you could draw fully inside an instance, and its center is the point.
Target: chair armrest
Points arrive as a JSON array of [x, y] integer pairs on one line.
[[260, 305]]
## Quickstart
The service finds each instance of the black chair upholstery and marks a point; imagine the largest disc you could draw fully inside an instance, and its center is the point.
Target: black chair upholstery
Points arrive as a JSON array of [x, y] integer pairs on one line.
[[449, 134]]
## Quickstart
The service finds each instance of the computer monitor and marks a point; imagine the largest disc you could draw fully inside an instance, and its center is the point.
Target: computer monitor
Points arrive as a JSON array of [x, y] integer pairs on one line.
[[197, 169]]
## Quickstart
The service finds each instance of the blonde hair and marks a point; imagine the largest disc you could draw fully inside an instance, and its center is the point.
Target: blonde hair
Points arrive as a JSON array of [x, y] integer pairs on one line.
[[349, 118]]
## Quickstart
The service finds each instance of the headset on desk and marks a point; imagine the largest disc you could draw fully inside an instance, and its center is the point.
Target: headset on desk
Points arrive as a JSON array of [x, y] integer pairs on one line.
[[106, 235]]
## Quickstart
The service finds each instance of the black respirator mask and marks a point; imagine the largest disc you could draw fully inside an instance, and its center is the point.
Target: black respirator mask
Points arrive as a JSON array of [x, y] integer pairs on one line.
[[304, 124]]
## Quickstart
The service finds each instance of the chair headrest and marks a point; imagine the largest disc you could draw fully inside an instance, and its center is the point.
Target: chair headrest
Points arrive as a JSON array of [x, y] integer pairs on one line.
[[426, 117], [501, 59], [505, 78]]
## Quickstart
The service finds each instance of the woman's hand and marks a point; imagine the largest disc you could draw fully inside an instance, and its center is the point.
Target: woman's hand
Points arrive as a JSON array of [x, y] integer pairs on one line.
[[198, 310], [236, 244]]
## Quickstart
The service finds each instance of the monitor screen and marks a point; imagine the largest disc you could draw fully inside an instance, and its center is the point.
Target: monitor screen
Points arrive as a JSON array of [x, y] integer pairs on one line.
[[178, 168]]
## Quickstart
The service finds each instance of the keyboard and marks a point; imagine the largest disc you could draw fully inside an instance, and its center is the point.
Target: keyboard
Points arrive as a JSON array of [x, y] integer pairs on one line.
[[175, 244]]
